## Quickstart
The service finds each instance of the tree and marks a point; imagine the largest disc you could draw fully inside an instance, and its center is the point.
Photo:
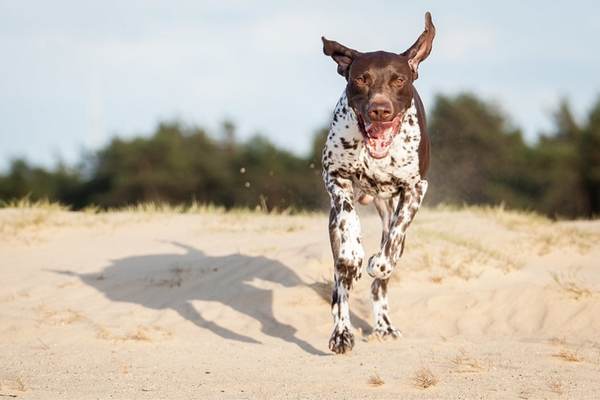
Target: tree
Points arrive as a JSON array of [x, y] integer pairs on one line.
[[559, 167], [478, 157], [23, 180], [590, 156]]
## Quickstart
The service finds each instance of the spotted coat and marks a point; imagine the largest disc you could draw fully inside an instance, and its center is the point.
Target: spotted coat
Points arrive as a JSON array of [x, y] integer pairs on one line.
[[345, 154], [396, 183]]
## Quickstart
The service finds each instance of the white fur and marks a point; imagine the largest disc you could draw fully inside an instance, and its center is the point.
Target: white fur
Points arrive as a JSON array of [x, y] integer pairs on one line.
[[348, 166], [404, 150]]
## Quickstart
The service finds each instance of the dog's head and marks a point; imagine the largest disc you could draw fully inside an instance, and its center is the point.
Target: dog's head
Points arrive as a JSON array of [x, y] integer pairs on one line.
[[380, 86]]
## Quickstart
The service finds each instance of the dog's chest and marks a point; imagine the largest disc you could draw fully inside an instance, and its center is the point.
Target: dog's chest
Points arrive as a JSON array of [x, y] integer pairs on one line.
[[346, 154]]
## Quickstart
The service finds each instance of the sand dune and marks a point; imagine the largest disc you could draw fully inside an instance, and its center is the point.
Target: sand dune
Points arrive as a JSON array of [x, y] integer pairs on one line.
[[141, 304]]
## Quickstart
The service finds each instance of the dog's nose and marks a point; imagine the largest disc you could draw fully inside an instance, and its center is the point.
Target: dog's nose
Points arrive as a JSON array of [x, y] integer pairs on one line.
[[380, 111]]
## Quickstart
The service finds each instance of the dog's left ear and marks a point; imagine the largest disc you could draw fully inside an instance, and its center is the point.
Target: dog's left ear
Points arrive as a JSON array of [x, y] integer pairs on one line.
[[341, 54], [422, 47]]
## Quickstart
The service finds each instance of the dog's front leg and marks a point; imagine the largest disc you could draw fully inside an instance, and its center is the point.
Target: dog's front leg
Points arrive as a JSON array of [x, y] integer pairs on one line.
[[383, 263], [348, 255]]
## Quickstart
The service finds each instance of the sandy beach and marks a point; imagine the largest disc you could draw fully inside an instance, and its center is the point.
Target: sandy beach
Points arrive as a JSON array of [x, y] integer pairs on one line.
[[150, 304]]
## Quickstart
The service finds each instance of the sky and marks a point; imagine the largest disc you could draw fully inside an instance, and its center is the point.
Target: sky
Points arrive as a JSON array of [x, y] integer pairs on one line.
[[74, 74]]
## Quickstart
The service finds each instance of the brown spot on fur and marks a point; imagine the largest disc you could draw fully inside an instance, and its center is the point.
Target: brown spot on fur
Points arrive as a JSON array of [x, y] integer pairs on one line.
[[347, 273], [347, 206], [347, 145]]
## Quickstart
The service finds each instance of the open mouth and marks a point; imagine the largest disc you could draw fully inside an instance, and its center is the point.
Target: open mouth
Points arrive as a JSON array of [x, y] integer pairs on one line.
[[379, 135]]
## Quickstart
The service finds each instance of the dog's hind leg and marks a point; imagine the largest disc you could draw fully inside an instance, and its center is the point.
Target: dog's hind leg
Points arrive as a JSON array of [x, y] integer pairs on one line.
[[385, 208], [348, 254], [383, 327], [382, 264]]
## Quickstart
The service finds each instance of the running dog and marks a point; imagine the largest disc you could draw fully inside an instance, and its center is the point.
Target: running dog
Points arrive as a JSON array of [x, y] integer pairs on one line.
[[377, 150]]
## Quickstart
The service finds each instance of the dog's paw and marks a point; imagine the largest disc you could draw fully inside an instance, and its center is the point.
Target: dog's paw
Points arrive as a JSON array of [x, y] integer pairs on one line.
[[386, 333], [341, 341], [379, 267]]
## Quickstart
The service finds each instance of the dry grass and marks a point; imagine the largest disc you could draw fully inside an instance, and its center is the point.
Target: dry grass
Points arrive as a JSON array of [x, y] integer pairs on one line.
[[558, 341], [150, 208], [20, 386], [571, 285], [424, 378], [58, 317], [27, 203], [164, 208], [565, 236], [463, 363], [69, 316], [448, 261], [199, 208], [207, 208], [568, 355], [482, 252], [25, 214], [511, 219], [555, 385], [546, 242], [139, 334], [14, 384], [459, 256], [24, 220], [375, 380]]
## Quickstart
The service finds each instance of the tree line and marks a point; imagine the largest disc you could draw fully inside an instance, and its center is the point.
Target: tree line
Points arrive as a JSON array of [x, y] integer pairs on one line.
[[478, 157]]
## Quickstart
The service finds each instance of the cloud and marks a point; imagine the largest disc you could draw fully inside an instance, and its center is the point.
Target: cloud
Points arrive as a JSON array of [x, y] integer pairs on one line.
[[73, 67], [465, 43]]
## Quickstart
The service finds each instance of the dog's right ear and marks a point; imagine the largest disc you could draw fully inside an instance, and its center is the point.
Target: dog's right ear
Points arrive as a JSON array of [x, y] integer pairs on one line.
[[342, 55]]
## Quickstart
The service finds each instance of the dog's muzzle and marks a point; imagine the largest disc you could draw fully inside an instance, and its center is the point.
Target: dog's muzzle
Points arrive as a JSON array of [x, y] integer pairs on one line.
[[379, 135]]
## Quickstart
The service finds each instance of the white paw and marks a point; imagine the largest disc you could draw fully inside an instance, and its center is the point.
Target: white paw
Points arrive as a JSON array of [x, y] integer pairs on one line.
[[386, 333], [379, 267], [341, 340]]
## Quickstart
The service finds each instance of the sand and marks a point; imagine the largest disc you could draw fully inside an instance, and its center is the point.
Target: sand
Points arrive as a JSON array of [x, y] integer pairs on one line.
[[208, 305]]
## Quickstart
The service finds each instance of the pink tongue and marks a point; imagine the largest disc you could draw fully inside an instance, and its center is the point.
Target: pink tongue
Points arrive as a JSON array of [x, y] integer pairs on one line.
[[380, 135], [375, 130], [379, 138]]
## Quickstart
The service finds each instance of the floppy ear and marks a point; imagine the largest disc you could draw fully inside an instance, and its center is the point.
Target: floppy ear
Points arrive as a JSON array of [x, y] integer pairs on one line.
[[342, 55], [422, 47]]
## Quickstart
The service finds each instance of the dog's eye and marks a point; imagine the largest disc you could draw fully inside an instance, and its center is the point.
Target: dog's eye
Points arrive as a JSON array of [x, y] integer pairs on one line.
[[399, 81]]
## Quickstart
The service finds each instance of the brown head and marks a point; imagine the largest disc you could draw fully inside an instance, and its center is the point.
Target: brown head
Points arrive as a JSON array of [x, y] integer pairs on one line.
[[380, 85]]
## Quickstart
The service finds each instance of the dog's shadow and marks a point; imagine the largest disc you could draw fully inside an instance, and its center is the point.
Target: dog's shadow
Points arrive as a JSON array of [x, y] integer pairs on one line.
[[174, 281]]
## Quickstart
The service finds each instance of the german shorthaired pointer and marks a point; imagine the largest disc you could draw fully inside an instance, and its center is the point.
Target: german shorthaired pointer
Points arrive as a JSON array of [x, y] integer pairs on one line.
[[377, 150]]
